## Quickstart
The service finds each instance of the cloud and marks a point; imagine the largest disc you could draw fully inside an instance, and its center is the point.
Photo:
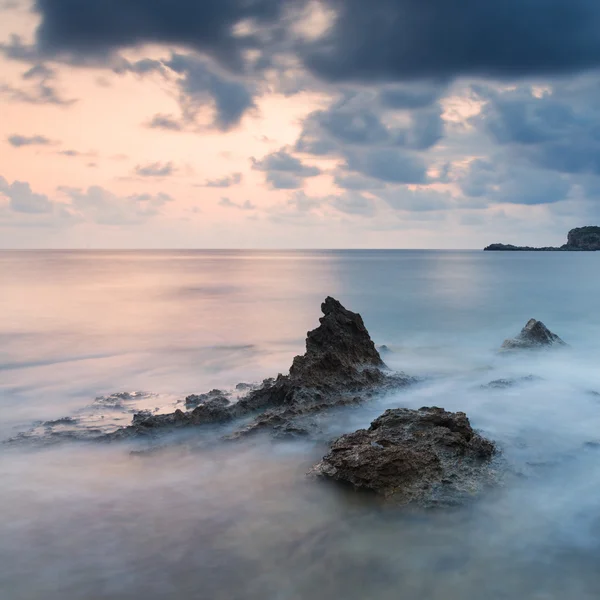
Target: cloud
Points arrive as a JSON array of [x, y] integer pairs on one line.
[[284, 171], [41, 93], [23, 200], [95, 204], [167, 122], [18, 50], [144, 66], [39, 71], [402, 40], [557, 128], [388, 164], [354, 203], [356, 182], [418, 200], [101, 206], [223, 182], [211, 28], [18, 141], [227, 203], [156, 169], [359, 119], [410, 96], [75, 153], [39, 77], [302, 203], [500, 182], [382, 40], [200, 86]]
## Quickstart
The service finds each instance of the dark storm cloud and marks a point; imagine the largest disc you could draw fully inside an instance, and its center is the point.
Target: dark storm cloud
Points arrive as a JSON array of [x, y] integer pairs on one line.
[[388, 164], [356, 182], [200, 85], [100, 27], [413, 39], [501, 182], [379, 40], [359, 126], [410, 97], [156, 169], [18, 141], [358, 120], [556, 128]]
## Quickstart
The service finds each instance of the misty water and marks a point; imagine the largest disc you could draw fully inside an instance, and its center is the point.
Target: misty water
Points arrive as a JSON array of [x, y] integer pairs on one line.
[[191, 516]]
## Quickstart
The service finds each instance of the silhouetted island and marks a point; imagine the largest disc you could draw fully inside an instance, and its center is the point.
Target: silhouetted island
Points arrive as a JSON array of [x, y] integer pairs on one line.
[[586, 239]]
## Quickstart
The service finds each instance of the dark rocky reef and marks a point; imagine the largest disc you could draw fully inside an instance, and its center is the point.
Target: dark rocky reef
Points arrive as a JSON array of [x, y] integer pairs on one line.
[[427, 456], [197, 399], [580, 239], [534, 335], [340, 366]]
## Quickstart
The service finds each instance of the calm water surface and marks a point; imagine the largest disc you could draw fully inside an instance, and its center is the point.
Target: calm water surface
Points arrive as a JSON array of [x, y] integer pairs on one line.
[[197, 518]]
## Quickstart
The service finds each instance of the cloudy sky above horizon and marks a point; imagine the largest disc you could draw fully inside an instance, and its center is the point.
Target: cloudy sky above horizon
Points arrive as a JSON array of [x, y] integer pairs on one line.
[[297, 124]]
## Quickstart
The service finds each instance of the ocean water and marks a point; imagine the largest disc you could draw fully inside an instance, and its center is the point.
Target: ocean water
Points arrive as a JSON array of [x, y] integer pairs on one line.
[[189, 516]]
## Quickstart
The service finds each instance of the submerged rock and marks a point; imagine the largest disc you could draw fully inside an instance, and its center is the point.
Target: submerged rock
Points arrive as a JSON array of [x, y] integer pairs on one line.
[[428, 456], [507, 383], [340, 361], [534, 335]]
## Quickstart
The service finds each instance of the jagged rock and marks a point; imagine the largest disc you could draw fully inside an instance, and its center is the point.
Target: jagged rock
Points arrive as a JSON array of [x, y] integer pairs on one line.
[[534, 335], [340, 361], [340, 350], [428, 456], [244, 386], [196, 399]]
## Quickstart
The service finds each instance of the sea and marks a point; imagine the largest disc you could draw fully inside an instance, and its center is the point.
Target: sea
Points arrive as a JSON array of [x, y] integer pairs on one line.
[[88, 338]]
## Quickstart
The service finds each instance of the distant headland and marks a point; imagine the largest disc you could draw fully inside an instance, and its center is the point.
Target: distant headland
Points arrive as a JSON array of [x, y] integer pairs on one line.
[[581, 239]]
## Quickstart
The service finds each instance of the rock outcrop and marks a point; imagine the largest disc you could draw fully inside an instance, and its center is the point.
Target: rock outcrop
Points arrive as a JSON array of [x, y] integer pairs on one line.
[[427, 456], [578, 239], [534, 335], [340, 366], [197, 399], [583, 238]]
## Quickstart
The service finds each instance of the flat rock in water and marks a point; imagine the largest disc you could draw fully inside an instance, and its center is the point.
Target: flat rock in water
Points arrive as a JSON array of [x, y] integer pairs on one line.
[[500, 384], [534, 335], [427, 456]]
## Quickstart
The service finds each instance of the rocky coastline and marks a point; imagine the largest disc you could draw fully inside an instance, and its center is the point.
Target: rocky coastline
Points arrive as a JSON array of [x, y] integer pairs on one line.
[[581, 239], [428, 457]]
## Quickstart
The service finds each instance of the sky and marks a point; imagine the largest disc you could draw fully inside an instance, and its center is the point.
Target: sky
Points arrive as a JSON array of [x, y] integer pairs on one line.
[[298, 123]]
